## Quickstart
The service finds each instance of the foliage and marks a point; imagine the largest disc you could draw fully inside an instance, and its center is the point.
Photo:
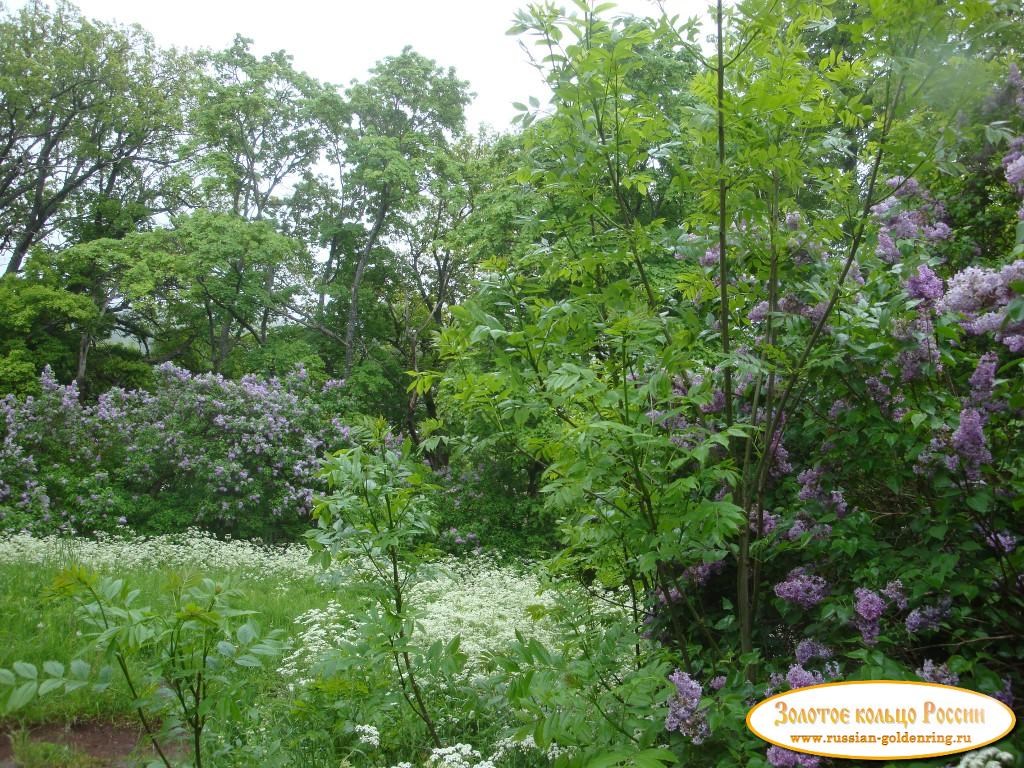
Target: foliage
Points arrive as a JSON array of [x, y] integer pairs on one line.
[[90, 114], [235, 457], [376, 512], [187, 647], [768, 423]]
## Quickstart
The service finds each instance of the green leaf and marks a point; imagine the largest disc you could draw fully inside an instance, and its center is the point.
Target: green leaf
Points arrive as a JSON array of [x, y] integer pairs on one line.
[[21, 696], [608, 759], [26, 670], [53, 668], [50, 685], [7, 677], [79, 669], [248, 660], [246, 634]]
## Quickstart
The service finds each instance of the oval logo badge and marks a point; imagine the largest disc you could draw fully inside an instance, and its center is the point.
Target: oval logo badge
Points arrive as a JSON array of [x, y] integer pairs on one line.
[[881, 720]]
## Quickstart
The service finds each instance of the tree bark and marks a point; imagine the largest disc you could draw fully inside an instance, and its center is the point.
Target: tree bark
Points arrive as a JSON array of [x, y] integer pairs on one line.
[[364, 257]]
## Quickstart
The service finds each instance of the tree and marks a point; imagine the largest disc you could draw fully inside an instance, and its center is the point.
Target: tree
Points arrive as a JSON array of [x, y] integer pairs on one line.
[[400, 123], [258, 132], [84, 106]]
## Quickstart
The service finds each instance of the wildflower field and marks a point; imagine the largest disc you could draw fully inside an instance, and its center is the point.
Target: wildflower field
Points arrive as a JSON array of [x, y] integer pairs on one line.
[[334, 433]]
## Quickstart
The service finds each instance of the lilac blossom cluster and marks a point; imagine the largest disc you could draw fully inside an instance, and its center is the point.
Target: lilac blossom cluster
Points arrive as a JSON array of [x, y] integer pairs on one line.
[[920, 352], [811, 490], [927, 617], [981, 296], [802, 589], [925, 285], [808, 649], [931, 672], [868, 609], [780, 757], [684, 713], [457, 541], [910, 213], [238, 457], [1001, 542]]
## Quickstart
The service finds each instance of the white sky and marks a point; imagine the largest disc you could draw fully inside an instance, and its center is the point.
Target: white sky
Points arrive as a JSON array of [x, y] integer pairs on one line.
[[339, 41]]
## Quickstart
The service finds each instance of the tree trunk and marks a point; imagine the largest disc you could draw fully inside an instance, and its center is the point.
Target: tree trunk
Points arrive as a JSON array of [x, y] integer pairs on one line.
[[83, 355], [364, 256]]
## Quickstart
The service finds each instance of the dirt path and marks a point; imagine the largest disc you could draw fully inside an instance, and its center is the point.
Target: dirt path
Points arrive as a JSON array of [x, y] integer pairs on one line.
[[111, 745]]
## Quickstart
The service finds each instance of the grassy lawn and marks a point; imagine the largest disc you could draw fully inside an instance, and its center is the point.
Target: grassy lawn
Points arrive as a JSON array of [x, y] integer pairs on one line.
[[483, 602]]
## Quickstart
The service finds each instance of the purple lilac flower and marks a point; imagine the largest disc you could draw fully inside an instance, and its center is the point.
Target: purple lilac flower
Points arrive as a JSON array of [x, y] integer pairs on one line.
[[798, 677], [793, 221], [684, 714], [811, 490], [801, 526], [970, 444], [904, 187], [983, 380], [1005, 694], [977, 287], [887, 250], [701, 573], [927, 617], [925, 285], [894, 591], [759, 312], [1015, 171], [837, 408], [808, 649], [710, 257], [803, 589], [717, 403], [717, 683], [932, 673], [1002, 542], [780, 466], [869, 604], [768, 522], [785, 758], [868, 610]]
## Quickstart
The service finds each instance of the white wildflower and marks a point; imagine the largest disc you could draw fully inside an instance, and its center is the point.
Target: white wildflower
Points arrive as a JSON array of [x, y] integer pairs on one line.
[[368, 735]]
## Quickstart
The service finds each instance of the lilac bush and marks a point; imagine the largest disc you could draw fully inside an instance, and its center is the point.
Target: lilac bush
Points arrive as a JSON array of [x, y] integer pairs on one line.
[[234, 457]]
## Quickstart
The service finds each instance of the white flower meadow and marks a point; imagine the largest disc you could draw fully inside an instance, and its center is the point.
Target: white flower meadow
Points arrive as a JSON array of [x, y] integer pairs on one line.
[[483, 602], [193, 549]]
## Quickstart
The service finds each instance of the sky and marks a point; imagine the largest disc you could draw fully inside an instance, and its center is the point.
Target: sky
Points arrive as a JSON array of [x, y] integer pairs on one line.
[[339, 41]]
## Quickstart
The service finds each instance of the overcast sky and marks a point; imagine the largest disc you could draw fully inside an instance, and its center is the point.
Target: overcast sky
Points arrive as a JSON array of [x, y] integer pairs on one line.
[[337, 41]]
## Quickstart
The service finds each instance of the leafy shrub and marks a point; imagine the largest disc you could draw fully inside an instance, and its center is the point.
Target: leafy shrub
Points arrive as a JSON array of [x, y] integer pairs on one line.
[[234, 457]]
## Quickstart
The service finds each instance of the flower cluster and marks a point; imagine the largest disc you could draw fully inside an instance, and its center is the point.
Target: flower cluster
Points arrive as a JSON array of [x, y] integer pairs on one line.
[[684, 713], [811, 490], [981, 296], [784, 758], [927, 617], [803, 589], [808, 649], [931, 672], [868, 610], [910, 213]]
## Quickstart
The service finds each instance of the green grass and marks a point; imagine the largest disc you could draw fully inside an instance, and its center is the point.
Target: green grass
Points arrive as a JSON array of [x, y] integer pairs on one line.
[[44, 754], [290, 709], [37, 628]]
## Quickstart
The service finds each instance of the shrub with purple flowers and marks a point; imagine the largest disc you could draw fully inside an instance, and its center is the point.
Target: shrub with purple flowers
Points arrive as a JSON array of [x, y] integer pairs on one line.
[[795, 452], [233, 457]]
